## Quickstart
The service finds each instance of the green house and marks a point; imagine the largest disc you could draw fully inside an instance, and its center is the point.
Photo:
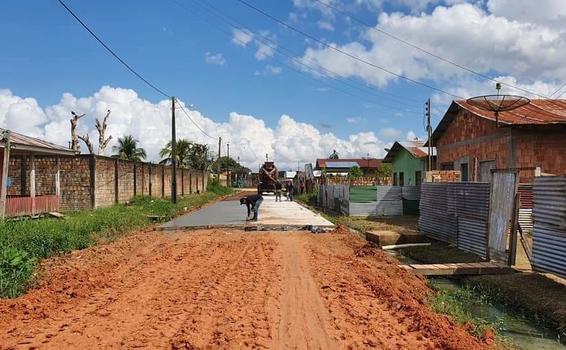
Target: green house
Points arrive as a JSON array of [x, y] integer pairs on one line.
[[409, 160]]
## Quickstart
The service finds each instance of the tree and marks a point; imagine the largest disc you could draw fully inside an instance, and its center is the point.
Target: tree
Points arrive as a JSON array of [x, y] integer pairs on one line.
[[86, 139], [101, 127], [334, 155], [74, 138], [385, 170], [188, 154], [127, 148], [228, 163], [355, 172]]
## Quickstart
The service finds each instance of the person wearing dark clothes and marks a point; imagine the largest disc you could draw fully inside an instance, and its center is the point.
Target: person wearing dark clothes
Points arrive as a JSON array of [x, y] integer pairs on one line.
[[252, 203], [278, 188], [290, 189]]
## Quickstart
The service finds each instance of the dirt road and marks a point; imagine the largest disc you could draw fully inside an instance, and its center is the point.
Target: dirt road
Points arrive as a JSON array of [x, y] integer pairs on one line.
[[223, 289]]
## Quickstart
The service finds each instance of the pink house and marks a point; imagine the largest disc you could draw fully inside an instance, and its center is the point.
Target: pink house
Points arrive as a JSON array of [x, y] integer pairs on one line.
[[19, 195]]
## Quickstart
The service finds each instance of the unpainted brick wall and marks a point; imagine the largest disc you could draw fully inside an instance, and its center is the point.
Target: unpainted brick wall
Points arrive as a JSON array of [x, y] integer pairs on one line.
[[105, 177]]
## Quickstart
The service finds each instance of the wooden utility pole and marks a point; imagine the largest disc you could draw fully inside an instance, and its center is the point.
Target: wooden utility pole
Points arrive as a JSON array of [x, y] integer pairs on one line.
[[218, 160], [228, 165], [173, 153]]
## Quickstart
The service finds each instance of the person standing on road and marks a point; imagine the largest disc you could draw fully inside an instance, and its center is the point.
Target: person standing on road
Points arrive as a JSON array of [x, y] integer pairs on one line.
[[290, 189], [278, 188], [252, 203]]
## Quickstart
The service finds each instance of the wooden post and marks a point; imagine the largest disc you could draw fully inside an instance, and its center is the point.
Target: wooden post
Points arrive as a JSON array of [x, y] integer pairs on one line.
[[32, 183], [5, 168], [513, 235], [116, 198], [58, 178], [173, 153]]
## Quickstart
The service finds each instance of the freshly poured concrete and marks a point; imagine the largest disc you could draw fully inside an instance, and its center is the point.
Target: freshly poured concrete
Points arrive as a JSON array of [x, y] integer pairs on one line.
[[230, 214]]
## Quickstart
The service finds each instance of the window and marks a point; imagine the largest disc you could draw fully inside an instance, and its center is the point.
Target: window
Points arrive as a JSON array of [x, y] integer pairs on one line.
[[418, 178], [464, 171], [394, 179], [447, 166], [401, 179]]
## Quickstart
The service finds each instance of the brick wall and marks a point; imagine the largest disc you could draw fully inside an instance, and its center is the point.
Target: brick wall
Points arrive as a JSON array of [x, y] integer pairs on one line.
[[473, 140], [88, 181]]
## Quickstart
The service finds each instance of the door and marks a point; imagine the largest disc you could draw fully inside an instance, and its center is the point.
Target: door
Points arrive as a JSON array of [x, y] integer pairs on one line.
[[401, 179], [418, 178], [503, 188], [464, 171]]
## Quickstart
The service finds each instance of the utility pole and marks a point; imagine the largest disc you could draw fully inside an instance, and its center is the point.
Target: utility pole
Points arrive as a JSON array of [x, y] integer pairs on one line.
[[429, 133], [173, 153], [218, 161], [228, 165]]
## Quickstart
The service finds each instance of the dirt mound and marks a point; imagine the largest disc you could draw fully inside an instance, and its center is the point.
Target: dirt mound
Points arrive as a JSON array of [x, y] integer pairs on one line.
[[367, 249], [341, 230]]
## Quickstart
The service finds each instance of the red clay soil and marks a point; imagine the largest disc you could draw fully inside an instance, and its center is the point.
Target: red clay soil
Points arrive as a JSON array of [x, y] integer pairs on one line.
[[218, 289]]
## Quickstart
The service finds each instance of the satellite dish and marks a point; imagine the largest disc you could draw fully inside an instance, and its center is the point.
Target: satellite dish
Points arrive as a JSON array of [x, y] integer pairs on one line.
[[498, 103]]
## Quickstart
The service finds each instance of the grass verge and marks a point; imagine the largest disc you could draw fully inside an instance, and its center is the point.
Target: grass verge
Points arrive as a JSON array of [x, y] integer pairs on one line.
[[23, 243]]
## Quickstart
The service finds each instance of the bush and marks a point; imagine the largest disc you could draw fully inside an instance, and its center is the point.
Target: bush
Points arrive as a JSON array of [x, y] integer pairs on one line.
[[16, 270]]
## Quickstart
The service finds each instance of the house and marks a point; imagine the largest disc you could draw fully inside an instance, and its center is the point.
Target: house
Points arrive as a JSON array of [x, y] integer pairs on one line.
[[409, 161], [22, 191], [529, 139], [343, 166]]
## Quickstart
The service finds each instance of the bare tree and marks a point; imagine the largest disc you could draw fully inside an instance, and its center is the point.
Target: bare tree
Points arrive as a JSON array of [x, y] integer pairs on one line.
[[86, 140], [74, 138], [101, 127]]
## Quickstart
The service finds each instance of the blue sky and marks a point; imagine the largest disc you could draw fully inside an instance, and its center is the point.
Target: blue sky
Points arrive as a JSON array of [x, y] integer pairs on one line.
[[187, 50]]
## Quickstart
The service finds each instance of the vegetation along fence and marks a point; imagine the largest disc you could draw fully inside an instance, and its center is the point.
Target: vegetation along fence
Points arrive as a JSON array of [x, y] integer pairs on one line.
[[549, 216]]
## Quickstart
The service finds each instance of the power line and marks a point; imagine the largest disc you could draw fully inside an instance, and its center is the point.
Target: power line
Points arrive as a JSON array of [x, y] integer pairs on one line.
[[286, 53], [282, 50], [195, 123], [124, 63], [332, 47], [430, 53]]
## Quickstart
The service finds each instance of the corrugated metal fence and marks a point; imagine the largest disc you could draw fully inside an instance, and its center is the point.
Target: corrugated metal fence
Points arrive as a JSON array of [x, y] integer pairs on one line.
[[549, 216], [457, 213]]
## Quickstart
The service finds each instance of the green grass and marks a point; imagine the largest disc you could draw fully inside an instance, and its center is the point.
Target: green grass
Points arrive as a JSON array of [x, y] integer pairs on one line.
[[22, 243], [458, 302]]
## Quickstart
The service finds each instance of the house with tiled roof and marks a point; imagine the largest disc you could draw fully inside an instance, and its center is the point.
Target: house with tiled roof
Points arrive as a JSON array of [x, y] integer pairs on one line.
[[409, 161], [529, 139]]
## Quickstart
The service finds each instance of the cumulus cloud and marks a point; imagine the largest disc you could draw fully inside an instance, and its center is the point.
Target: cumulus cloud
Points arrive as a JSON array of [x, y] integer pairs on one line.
[[265, 42], [464, 33], [249, 136], [216, 59], [389, 133]]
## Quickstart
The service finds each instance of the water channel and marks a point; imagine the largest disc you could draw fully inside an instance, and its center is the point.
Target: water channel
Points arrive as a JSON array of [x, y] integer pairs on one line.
[[523, 333]]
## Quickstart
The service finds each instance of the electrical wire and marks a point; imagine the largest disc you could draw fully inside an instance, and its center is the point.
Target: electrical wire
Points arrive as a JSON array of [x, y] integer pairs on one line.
[[282, 50], [345, 53], [101, 42], [408, 43], [194, 122]]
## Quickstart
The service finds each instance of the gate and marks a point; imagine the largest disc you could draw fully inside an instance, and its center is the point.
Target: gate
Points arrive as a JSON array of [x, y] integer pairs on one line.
[[503, 189]]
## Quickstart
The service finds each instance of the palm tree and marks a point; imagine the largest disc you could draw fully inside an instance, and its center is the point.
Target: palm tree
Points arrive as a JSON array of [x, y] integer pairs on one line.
[[127, 148], [182, 151]]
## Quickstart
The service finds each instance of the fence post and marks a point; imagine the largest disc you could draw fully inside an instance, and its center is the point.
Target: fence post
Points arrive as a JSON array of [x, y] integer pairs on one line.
[[149, 179], [116, 181]]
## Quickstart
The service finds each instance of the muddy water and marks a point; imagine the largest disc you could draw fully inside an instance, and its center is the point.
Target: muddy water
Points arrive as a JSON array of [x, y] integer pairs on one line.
[[522, 333]]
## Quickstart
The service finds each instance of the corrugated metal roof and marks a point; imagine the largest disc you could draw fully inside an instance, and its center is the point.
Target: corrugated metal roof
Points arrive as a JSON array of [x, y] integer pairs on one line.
[[415, 148], [364, 163], [539, 111], [334, 164], [17, 139]]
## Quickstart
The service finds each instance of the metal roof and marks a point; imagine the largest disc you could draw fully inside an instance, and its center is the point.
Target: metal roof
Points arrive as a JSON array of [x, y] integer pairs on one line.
[[539, 111], [341, 164], [32, 144], [415, 148], [364, 163]]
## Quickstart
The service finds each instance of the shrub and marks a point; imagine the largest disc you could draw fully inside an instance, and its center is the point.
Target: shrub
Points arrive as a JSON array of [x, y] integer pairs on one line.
[[16, 270]]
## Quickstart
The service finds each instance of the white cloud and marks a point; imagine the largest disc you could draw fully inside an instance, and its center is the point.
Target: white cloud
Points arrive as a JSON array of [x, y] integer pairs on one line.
[[250, 137], [463, 33], [273, 70], [242, 37], [546, 12], [411, 136], [216, 59], [354, 120], [389, 133], [325, 25]]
